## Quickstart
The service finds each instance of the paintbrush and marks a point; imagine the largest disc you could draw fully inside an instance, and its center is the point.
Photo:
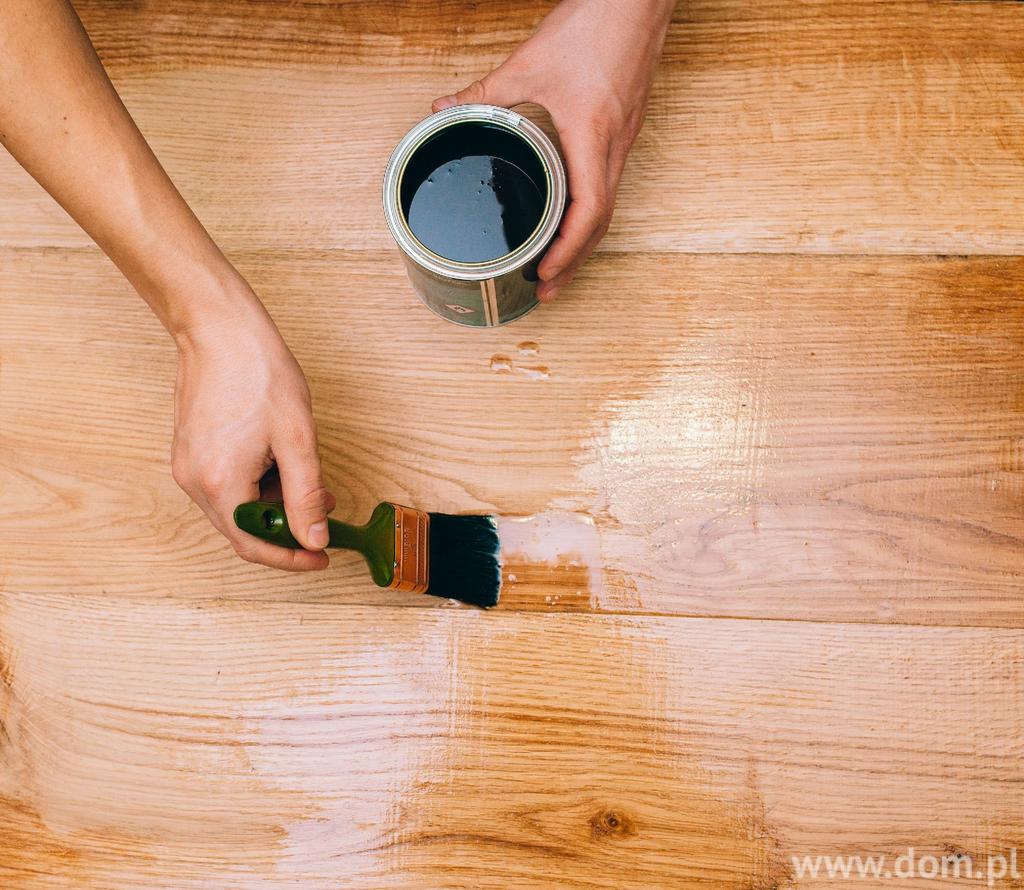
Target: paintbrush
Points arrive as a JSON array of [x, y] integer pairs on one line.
[[455, 557]]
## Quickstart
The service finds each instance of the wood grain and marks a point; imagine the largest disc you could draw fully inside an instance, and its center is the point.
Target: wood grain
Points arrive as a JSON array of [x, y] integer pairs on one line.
[[774, 437], [853, 127], [761, 474], [172, 745]]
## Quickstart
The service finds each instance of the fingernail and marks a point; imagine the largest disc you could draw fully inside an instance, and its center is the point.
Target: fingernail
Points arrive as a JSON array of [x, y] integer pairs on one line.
[[446, 102], [318, 535], [547, 294]]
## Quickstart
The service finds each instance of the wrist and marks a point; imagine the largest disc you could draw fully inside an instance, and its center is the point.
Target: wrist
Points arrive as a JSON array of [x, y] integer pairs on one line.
[[191, 290], [205, 317], [637, 22], [181, 273]]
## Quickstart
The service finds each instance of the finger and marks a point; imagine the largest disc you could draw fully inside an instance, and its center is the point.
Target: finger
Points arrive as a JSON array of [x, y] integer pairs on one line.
[[588, 215], [270, 489], [305, 498], [270, 486], [617, 154], [264, 553], [548, 291], [616, 163], [252, 549], [218, 499], [500, 87]]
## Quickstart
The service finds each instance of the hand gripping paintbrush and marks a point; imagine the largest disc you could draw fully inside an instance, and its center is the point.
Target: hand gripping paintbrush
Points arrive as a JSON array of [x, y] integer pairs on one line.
[[455, 557]]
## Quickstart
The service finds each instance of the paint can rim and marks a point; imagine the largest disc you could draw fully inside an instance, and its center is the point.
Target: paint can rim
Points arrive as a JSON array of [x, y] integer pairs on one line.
[[519, 125]]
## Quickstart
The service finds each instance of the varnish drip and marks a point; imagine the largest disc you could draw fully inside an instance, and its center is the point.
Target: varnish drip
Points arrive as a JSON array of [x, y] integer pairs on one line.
[[539, 372], [503, 364]]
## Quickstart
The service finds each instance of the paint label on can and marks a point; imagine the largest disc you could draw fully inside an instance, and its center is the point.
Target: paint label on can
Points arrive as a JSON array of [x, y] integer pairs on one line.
[[487, 303]]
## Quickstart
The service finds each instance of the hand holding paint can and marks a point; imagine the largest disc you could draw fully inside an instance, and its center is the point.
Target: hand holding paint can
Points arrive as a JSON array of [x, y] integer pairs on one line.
[[473, 196]]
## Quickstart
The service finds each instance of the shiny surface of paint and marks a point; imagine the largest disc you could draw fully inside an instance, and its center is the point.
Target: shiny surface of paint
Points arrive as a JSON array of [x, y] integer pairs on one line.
[[466, 202], [563, 542], [475, 208]]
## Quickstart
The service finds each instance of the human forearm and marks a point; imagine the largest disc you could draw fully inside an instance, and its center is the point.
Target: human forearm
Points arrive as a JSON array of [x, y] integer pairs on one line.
[[242, 404], [63, 121]]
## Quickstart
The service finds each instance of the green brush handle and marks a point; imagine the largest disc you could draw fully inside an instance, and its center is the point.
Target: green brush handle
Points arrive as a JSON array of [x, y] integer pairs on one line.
[[375, 540]]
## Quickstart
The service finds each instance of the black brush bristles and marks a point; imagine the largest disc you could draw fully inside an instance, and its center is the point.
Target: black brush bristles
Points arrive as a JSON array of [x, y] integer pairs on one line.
[[464, 559]]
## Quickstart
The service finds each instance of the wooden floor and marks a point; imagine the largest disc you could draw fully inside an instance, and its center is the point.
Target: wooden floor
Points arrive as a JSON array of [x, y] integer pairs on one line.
[[761, 472]]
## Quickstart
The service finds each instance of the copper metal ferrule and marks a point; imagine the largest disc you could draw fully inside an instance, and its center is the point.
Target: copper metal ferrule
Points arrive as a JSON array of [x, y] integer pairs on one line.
[[412, 550]]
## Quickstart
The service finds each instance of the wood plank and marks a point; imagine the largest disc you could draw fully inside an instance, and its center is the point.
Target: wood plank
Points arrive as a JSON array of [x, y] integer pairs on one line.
[[167, 745], [782, 126], [786, 438], [774, 437]]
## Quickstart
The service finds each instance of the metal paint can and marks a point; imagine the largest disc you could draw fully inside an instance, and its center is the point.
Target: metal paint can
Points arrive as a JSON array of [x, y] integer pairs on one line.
[[496, 290]]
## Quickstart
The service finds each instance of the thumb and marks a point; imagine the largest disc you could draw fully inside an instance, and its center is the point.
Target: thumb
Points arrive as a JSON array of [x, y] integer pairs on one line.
[[306, 501], [499, 87]]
